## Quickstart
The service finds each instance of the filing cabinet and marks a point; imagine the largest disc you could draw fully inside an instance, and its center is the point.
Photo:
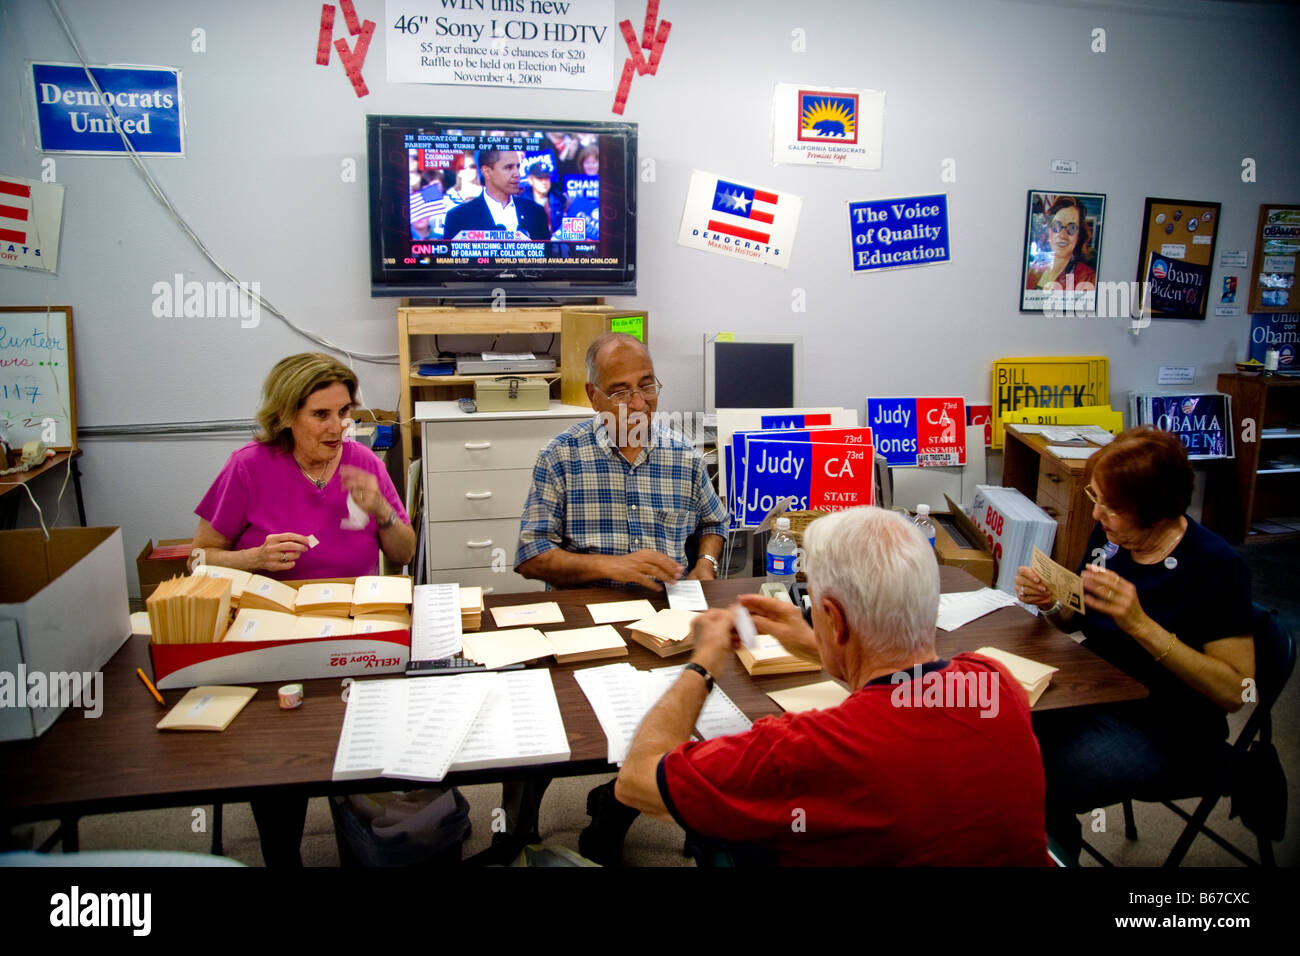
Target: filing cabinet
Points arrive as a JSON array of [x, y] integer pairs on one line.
[[477, 470]]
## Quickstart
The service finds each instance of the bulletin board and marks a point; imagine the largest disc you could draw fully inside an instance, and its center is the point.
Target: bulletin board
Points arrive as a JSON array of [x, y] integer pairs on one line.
[[37, 388], [1277, 248]]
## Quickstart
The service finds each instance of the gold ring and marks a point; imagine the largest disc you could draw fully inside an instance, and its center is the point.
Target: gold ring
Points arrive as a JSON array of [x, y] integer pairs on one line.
[[1109, 592]]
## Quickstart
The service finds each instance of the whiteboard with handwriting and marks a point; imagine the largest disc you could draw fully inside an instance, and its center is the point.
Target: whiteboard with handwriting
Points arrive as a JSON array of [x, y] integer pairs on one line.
[[37, 398]]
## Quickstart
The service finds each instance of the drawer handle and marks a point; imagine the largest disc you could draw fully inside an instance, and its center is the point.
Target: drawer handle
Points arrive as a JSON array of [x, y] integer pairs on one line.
[[1052, 477], [1050, 511], [477, 445], [478, 495], [479, 544]]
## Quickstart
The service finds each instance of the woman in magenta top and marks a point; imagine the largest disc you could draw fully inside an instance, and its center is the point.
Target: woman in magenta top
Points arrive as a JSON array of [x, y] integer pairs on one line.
[[292, 484]]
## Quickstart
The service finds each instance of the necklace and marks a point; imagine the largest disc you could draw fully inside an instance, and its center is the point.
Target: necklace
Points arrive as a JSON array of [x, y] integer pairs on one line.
[[1163, 550], [318, 482]]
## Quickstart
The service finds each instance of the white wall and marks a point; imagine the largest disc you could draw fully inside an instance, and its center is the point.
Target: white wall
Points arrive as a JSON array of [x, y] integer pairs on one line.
[[1184, 91]]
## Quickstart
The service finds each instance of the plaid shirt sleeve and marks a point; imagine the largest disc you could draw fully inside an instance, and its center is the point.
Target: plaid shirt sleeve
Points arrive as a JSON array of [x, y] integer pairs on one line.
[[542, 526], [712, 512]]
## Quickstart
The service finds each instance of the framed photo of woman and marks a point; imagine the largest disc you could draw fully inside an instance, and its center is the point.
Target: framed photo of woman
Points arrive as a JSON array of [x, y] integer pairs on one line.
[[1176, 256], [1062, 253]]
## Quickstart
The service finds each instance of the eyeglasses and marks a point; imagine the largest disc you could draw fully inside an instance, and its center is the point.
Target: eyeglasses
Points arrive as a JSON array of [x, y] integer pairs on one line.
[[1072, 229], [622, 396], [1092, 496]]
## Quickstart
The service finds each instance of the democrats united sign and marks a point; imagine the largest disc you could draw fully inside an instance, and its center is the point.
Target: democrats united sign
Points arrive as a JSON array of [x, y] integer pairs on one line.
[[919, 431], [71, 117], [888, 233]]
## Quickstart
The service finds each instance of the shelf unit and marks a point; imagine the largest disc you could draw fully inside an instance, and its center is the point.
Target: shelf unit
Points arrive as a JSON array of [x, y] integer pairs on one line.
[[1263, 491], [576, 327]]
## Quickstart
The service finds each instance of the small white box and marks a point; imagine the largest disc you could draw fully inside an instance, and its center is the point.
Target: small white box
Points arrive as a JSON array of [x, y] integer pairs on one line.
[[63, 612]]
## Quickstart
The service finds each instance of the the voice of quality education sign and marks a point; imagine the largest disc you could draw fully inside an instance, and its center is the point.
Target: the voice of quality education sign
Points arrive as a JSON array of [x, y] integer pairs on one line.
[[71, 117], [890, 233]]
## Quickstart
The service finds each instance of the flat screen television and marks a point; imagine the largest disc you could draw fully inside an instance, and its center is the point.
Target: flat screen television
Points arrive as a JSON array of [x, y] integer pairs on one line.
[[461, 208]]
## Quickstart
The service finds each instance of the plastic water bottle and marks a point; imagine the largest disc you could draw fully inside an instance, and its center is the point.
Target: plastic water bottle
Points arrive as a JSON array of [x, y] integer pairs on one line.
[[924, 523], [780, 554]]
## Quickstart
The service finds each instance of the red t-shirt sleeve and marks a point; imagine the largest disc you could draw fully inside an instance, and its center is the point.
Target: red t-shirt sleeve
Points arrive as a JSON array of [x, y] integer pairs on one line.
[[225, 506], [734, 788]]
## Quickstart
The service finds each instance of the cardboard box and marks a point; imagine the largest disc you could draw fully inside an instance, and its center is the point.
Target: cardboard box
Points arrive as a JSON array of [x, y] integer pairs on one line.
[[976, 561], [154, 573], [63, 614], [253, 662]]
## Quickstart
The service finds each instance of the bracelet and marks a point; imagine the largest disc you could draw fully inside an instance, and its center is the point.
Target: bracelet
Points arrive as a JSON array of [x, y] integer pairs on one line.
[[717, 568], [392, 520], [1054, 609], [703, 672], [1173, 638]]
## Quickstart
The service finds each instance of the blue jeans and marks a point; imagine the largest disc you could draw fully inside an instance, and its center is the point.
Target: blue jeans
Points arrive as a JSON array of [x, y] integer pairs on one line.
[[1097, 756]]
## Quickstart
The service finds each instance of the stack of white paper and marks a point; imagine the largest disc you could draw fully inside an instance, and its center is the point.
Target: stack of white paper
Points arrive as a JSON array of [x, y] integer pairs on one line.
[[1015, 526], [621, 695], [419, 729], [435, 622]]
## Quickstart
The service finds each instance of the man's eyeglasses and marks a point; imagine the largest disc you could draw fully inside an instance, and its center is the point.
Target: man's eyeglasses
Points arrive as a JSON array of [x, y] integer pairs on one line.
[[622, 396], [1072, 229], [1092, 496]]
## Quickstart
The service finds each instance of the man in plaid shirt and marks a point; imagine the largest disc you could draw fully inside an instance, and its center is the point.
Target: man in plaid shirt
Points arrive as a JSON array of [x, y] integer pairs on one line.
[[614, 498], [613, 501]]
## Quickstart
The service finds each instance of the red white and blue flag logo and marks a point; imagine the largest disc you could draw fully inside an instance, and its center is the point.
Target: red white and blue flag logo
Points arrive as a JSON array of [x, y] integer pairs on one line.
[[739, 219], [735, 203]]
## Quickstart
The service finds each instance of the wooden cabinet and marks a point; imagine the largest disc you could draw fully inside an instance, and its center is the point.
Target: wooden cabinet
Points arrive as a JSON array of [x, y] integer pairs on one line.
[[576, 327], [1055, 485], [1267, 411], [477, 471]]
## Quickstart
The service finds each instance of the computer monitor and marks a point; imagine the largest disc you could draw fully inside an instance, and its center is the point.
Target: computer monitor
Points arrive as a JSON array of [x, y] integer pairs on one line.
[[752, 371]]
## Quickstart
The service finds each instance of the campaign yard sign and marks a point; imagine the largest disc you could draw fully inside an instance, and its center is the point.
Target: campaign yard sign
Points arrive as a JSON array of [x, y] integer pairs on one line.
[[818, 476], [919, 432], [739, 498], [1276, 330], [1202, 422]]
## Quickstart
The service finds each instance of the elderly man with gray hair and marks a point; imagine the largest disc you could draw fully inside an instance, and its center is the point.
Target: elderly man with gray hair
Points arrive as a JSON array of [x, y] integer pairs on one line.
[[921, 765]]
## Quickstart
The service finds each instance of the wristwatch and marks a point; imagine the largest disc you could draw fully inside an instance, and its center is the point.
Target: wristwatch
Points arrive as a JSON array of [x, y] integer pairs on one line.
[[391, 520], [717, 568], [703, 672]]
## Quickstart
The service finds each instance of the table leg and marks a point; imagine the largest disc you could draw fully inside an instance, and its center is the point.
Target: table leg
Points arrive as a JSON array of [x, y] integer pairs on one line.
[[217, 849], [76, 487]]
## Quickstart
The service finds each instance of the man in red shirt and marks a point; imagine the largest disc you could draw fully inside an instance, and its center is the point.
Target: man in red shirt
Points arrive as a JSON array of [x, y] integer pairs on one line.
[[928, 762]]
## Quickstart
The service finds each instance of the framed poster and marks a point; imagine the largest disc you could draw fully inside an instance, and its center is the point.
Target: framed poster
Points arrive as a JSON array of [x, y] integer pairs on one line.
[[1176, 256], [1277, 246], [38, 400], [1062, 254]]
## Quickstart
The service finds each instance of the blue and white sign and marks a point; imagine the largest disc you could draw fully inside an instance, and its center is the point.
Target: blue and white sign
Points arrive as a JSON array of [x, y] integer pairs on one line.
[[72, 118], [1276, 330], [890, 233]]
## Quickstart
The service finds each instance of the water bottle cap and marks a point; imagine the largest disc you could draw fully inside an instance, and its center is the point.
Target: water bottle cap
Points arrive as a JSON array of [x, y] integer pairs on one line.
[[782, 524], [922, 510]]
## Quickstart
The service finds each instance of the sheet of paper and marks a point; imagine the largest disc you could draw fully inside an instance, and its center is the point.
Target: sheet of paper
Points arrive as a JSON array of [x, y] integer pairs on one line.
[[670, 624], [356, 519], [1070, 451], [686, 595], [745, 628], [1065, 586], [367, 742], [584, 639], [1061, 436], [821, 696], [613, 612], [528, 615], [449, 705], [1095, 434], [720, 715], [958, 609], [519, 723], [435, 622], [515, 646], [619, 700], [508, 356]]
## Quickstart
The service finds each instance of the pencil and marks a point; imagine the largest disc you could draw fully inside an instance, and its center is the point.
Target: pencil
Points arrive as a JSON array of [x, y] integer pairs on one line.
[[148, 683]]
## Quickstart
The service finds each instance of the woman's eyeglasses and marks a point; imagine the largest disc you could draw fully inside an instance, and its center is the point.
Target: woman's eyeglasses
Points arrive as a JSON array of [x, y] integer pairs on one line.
[[1092, 496], [1072, 229]]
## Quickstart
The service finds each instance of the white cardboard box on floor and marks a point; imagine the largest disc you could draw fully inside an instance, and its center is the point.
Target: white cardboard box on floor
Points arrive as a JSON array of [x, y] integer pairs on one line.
[[63, 614]]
